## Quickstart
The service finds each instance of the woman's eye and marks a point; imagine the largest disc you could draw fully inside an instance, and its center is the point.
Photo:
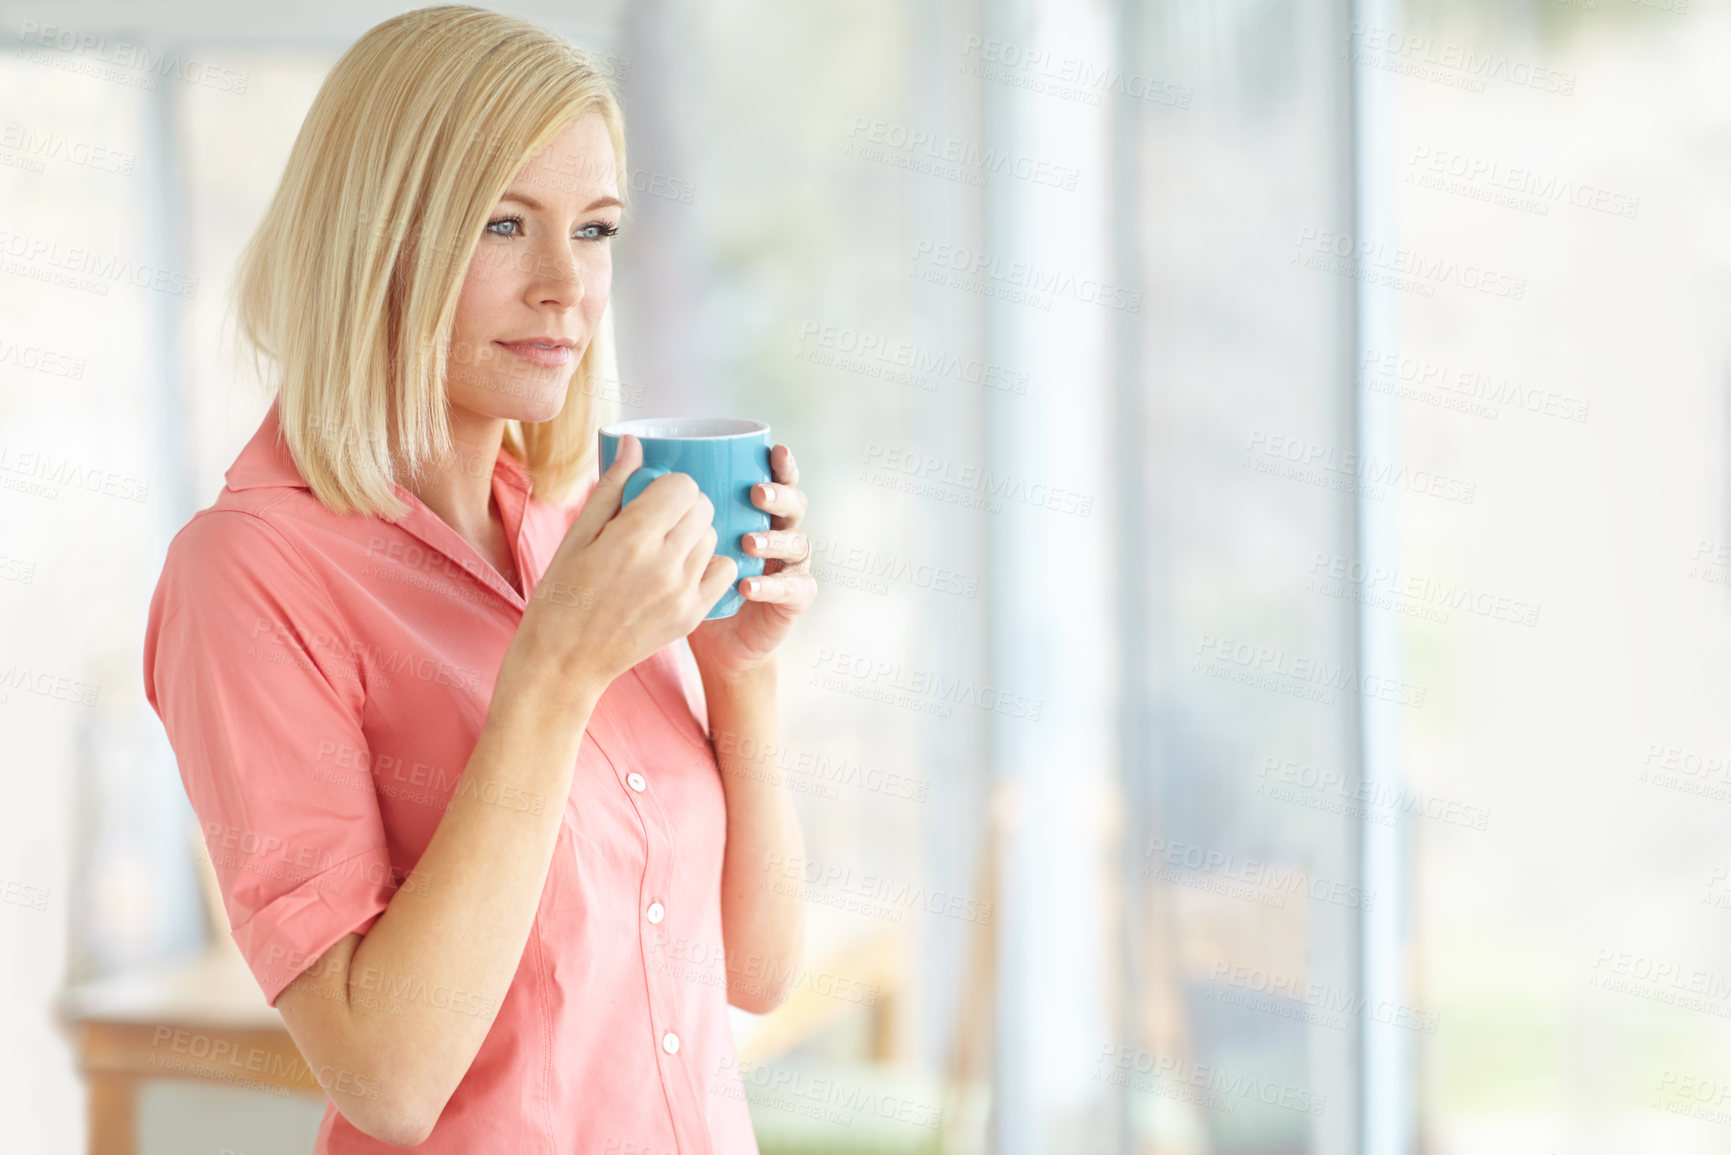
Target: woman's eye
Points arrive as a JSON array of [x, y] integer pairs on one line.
[[594, 231]]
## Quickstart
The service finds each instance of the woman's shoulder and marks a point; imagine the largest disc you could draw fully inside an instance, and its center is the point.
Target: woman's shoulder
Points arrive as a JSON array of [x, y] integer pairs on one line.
[[241, 549], [238, 531]]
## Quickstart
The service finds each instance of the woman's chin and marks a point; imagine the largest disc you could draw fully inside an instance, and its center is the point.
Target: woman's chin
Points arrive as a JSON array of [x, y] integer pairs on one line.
[[533, 410], [510, 399]]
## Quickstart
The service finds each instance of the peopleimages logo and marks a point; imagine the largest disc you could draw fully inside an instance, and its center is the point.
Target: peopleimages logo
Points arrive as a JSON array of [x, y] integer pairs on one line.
[[47, 685], [763, 761], [855, 348], [1336, 792], [1465, 390], [880, 679], [37, 258], [99, 50], [1315, 679], [1278, 879], [1526, 187], [1065, 77], [348, 659], [1299, 459], [1432, 598], [843, 880], [801, 1092], [40, 146], [1695, 1089], [1331, 1003], [20, 894], [1420, 55], [210, 1053], [926, 151], [395, 989], [1119, 1064], [715, 964], [1021, 281], [925, 473], [1396, 267], [40, 360], [1667, 981], [39, 474], [877, 568]]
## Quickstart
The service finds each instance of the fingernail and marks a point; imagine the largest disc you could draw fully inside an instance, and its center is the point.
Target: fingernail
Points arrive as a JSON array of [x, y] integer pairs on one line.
[[757, 541], [769, 493]]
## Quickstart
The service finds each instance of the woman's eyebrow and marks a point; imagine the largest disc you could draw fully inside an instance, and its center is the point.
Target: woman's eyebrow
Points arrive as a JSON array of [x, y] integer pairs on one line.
[[599, 203]]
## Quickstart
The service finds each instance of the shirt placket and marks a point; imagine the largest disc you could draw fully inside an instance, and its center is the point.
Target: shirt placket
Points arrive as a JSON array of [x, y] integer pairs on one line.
[[679, 1082], [681, 1085]]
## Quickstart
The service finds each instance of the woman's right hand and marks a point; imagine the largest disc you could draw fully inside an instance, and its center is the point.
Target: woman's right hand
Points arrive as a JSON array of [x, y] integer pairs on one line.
[[624, 583]]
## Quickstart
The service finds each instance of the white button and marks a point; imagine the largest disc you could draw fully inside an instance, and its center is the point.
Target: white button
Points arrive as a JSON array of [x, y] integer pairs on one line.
[[670, 1043], [655, 912], [636, 781]]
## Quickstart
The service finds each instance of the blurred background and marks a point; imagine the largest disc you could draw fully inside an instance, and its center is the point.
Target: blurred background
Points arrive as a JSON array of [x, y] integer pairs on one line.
[[1267, 466]]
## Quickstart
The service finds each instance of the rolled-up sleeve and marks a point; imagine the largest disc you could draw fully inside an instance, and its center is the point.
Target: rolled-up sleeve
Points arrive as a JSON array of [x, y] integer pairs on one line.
[[247, 663]]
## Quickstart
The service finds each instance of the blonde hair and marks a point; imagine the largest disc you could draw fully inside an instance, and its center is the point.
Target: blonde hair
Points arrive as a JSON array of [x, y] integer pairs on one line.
[[350, 284]]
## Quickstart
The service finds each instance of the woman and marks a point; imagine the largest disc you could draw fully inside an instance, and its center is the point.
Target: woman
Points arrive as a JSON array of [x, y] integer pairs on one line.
[[422, 673]]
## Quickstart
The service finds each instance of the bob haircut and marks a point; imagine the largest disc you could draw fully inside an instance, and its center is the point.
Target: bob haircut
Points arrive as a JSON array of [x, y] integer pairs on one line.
[[350, 284]]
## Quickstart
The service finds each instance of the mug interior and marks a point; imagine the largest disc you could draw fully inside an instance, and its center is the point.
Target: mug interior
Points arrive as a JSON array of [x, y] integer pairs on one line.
[[685, 427]]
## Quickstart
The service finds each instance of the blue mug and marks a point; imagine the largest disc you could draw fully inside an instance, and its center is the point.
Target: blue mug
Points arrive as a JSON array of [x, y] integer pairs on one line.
[[725, 456]]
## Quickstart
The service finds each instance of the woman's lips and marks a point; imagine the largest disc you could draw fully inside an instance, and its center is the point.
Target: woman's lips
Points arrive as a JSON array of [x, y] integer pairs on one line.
[[549, 356]]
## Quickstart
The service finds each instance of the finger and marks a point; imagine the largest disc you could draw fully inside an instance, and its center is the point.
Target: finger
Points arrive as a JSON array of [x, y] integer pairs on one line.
[[784, 469], [788, 587], [784, 544], [664, 501], [718, 577], [604, 500], [697, 556], [780, 500], [626, 459], [689, 529]]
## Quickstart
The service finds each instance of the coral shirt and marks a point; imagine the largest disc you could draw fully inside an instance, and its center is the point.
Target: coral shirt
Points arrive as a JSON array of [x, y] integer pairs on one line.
[[323, 680]]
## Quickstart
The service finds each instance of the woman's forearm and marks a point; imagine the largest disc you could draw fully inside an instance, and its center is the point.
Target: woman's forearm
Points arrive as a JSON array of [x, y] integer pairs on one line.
[[762, 924], [422, 988]]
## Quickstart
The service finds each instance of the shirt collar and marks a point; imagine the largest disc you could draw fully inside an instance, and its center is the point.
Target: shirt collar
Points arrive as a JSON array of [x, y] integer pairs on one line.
[[265, 461]]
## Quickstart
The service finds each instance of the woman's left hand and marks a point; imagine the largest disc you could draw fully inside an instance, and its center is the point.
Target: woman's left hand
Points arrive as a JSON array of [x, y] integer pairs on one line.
[[736, 645]]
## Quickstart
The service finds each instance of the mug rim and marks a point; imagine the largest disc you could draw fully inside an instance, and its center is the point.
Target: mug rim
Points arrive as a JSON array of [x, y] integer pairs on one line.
[[723, 428]]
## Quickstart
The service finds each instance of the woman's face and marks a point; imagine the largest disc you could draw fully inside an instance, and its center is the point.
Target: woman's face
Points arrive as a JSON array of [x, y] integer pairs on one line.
[[539, 277]]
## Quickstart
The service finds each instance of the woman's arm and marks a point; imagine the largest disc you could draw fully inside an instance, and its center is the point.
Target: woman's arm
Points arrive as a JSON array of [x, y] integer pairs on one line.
[[405, 1009], [762, 928], [391, 1051]]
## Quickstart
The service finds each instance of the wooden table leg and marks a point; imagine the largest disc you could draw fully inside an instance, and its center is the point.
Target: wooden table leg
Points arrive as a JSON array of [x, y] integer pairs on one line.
[[113, 1114]]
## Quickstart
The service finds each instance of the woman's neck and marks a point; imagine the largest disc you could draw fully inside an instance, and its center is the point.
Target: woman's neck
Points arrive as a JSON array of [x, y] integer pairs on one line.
[[460, 489]]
